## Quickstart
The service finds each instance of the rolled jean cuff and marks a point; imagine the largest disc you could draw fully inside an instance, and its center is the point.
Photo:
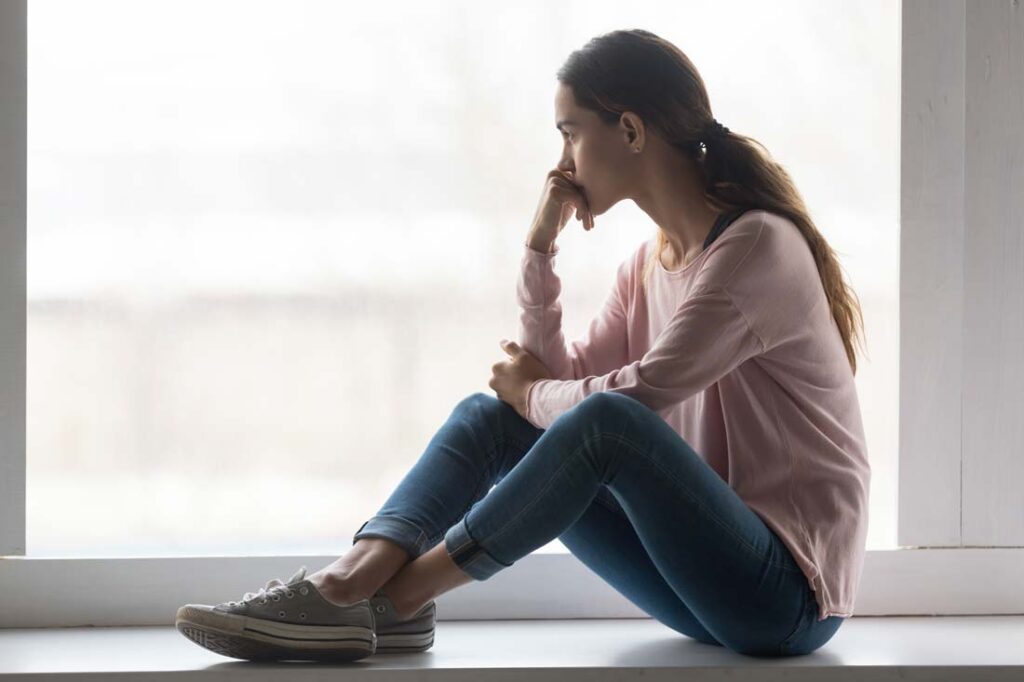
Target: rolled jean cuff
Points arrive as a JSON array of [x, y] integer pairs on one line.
[[405, 534], [468, 555]]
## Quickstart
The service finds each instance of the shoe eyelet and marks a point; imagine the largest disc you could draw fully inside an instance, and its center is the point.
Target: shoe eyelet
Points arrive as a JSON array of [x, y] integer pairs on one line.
[[263, 602], [281, 614], [276, 597], [303, 591], [302, 616], [381, 608]]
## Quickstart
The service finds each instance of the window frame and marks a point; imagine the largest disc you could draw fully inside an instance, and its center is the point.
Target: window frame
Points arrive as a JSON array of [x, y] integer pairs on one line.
[[926, 575]]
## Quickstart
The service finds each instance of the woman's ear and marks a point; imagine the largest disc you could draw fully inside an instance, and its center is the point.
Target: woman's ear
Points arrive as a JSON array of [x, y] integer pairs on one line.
[[634, 129]]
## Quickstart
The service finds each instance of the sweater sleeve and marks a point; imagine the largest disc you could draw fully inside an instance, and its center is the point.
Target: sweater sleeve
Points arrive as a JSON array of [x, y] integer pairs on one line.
[[706, 337], [705, 340], [603, 346]]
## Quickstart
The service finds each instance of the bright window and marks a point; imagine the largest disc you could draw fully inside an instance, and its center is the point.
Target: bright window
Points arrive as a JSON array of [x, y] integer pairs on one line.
[[272, 244]]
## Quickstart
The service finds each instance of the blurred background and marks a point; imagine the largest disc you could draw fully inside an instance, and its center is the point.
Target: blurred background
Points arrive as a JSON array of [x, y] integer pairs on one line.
[[272, 244]]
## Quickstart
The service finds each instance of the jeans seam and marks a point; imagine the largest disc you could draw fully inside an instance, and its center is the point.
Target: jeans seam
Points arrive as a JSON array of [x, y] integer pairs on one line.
[[456, 550], [480, 555], [480, 483], [419, 538], [802, 623], [617, 511], [679, 486], [536, 497], [682, 487]]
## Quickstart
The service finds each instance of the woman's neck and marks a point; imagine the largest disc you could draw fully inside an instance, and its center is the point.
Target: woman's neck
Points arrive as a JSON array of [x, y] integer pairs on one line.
[[672, 194]]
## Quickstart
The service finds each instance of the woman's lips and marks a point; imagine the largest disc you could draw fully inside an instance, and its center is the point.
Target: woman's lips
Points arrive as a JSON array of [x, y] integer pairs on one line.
[[572, 179]]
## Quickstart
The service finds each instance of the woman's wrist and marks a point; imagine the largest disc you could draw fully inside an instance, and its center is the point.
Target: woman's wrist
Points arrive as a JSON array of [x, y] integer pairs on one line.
[[525, 399], [540, 245]]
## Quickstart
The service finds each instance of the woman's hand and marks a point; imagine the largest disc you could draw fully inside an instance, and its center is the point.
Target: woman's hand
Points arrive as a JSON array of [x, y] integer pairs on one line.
[[511, 379], [560, 198]]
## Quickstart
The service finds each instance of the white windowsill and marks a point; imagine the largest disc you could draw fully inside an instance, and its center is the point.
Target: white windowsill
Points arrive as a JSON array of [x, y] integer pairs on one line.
[[56, 592], [875, 648]]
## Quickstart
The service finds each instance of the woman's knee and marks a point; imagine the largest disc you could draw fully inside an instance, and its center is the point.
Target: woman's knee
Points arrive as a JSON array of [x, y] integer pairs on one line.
[[484, 407], [608, 401], [478, 401], [607, 408]]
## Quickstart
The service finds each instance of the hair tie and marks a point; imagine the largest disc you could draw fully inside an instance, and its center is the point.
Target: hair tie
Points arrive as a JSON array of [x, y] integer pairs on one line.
[[715, 130]]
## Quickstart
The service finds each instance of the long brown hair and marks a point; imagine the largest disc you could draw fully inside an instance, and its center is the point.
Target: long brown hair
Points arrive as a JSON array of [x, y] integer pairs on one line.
[[638, 71]]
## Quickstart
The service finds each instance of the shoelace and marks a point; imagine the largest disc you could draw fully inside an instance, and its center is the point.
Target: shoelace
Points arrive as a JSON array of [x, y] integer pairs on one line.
[[274, 587]]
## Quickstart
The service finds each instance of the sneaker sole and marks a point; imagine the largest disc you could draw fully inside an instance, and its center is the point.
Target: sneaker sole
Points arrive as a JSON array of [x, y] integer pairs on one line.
[[406, 642], [256, 639], [410, 636]]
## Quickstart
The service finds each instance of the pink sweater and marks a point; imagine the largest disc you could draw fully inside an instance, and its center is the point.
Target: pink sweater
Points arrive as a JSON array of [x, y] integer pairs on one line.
[[739, 354]]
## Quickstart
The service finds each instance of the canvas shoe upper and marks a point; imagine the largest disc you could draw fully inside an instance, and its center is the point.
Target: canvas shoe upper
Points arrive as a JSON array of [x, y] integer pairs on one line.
[[282, 621]]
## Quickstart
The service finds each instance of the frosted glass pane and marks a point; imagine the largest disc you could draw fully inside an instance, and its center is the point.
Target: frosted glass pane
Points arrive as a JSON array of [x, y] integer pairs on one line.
[[272, 244]]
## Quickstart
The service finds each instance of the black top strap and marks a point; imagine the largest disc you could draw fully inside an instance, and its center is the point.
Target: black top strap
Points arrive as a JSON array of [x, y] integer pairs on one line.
[[724, 220]]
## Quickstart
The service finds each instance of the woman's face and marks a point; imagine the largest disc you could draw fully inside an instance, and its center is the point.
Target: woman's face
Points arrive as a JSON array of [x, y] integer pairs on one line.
[[597, 154]]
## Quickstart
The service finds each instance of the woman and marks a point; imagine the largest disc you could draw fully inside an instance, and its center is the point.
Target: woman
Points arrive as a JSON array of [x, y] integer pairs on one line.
[[700, 448]]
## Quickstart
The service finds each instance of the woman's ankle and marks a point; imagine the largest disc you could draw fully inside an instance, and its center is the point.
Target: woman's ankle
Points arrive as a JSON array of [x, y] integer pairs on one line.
[[358, 574], [337, 589]]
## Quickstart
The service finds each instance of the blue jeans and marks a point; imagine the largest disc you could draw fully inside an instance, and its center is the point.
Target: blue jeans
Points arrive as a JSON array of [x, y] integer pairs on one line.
[[628, 497]]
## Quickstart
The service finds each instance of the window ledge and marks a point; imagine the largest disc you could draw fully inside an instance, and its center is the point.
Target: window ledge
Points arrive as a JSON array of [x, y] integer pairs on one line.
[[904, 648]]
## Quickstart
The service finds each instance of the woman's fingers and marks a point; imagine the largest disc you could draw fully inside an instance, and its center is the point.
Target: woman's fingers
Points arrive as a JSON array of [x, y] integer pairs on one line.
[[572, 194], [575, 198]]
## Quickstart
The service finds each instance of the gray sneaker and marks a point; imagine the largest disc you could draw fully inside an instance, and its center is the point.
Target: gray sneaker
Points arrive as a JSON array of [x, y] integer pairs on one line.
[[283, 621], [401, 636]]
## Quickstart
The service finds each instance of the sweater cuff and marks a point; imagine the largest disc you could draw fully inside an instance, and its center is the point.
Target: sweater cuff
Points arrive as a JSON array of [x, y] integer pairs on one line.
[[554, 251], [529, 413]]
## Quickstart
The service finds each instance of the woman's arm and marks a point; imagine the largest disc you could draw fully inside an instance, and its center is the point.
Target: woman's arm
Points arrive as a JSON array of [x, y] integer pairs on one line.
[[604, 345], [707, 338]]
